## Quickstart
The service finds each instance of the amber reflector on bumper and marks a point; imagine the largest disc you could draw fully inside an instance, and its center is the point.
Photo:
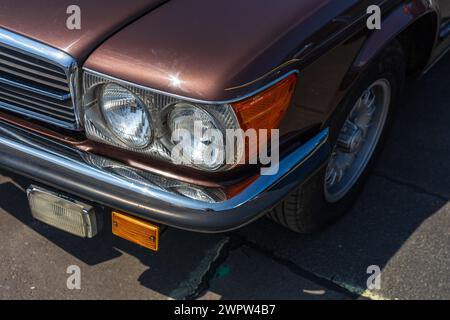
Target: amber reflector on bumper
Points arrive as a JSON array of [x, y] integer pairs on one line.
[[135, 230]]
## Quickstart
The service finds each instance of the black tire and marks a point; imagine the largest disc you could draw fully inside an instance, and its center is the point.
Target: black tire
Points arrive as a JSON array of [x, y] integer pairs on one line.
[[307, 209]]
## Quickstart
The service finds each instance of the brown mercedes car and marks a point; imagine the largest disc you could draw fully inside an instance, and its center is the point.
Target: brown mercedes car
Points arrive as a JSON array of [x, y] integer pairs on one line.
[[92, 93]]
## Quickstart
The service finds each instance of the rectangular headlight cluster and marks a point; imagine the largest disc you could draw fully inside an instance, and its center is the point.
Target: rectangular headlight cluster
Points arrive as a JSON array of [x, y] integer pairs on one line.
[[179, 130], [148, 122]]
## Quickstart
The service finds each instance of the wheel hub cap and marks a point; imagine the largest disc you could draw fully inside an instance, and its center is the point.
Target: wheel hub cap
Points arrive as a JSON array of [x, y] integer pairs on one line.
[[357, 140], [350, 137]]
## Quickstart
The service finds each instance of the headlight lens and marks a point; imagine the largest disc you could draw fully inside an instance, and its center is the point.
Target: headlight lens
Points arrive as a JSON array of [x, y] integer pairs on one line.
[[126, 116], [204, 144], [141, 120]]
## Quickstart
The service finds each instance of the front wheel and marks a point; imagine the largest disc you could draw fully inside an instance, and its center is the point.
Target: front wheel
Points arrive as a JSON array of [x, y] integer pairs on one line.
[[357, 140], [358, 130]]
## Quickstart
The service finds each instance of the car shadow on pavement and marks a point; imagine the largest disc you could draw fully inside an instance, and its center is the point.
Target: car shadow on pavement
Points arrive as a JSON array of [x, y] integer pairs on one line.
[[173, 265], [410, 184]]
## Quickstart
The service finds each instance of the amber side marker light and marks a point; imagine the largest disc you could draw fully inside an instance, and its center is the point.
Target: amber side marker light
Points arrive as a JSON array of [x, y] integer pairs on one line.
[[136, 230], [266, 109]]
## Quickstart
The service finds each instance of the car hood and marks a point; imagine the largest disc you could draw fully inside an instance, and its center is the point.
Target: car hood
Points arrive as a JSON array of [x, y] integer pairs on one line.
[[45, 20], [211, 49], [202, 49]]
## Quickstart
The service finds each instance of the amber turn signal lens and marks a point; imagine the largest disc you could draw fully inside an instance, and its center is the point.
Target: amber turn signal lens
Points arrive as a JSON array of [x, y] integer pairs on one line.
[[266, 109], [135, 230]]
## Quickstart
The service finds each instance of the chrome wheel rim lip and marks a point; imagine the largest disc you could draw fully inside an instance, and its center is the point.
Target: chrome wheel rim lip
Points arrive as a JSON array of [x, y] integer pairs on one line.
[[339, 182]]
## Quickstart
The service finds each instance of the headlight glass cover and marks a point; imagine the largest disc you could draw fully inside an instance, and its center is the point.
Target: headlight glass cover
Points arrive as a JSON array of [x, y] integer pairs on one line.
[[199, 134], [126, 116], [143, 121]]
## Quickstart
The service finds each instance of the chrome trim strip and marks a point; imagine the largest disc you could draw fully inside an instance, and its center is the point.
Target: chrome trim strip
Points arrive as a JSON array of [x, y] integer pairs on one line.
[[67, 169], [36, 49], [73, 73], [17, 59], [266, 75], [55, 57], [175, 96], [33, 115], [34, 90], [35, 72], [28, 103], [31, 78]]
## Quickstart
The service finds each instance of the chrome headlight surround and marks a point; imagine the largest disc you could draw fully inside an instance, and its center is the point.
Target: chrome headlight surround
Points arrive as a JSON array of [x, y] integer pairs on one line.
[[159, 107]]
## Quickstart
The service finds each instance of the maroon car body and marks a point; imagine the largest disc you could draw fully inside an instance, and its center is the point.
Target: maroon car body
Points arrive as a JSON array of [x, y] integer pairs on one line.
[[219, 51]]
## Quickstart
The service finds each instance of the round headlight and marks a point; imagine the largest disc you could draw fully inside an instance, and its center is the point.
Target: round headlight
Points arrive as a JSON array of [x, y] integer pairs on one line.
[[204, 147], [126, 116]]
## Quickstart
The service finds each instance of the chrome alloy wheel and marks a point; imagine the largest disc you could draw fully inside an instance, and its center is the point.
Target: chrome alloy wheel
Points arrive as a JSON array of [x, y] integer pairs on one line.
[[357, 140]]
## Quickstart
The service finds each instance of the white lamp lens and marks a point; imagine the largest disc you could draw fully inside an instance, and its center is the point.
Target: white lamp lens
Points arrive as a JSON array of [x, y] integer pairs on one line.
[[126, 116], [205, 145], [194, 193]]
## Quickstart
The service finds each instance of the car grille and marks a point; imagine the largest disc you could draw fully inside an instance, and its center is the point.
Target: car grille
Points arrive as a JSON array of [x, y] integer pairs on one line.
[[35, 81]]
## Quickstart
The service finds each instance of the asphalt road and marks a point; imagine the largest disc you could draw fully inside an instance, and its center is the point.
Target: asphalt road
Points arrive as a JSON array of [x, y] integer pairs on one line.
[[400, 223]]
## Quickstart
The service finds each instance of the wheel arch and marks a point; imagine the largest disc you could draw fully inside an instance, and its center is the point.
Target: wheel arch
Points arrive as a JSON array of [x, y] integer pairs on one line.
[[411, 24], [417, 44]]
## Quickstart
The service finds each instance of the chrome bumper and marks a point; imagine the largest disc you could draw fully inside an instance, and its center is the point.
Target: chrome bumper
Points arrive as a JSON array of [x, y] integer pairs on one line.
[[68, 170]]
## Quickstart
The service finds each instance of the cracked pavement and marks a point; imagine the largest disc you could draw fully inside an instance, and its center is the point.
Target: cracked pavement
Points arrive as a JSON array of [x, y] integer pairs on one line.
[[401, 223]]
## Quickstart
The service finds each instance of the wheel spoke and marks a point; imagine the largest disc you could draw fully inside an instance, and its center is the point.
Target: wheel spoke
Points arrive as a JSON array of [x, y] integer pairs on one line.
[[363, 121], [365, 111]]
